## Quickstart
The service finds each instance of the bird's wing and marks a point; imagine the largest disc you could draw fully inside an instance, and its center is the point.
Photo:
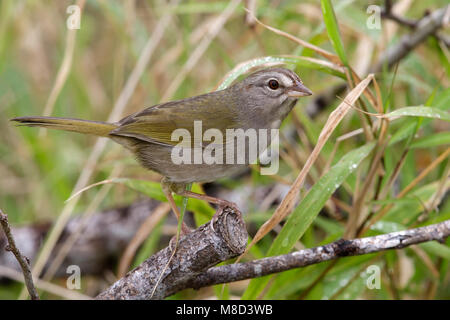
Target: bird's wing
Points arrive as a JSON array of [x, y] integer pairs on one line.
[[157, 123]]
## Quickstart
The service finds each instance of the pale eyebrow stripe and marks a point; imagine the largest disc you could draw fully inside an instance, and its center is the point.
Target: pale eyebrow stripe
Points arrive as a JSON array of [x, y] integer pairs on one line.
[[287, 80], [294, 77]]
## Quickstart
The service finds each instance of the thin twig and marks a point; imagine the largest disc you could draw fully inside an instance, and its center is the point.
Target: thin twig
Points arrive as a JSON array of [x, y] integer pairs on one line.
[[324, 53], [407, 189], [426, 26], [356, 214], [388, 14], [23, 261]]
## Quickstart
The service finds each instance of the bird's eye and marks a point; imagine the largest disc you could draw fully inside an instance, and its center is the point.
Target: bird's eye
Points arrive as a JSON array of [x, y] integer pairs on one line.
[[273, 84]]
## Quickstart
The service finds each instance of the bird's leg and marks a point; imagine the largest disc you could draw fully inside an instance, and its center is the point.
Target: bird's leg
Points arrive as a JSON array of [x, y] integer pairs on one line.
[[204, 197], [180, 189], [220, 202], [166, 187]]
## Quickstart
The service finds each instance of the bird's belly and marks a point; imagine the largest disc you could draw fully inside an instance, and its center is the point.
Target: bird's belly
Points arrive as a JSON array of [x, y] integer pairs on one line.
[[159, 158]]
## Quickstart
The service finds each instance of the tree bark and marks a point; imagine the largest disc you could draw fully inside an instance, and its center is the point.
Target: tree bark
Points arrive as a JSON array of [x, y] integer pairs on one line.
[[331, 251], [166, 273]]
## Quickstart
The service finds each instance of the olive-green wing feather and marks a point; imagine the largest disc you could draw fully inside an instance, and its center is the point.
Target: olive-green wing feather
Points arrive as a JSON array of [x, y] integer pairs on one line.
[[156, 124]]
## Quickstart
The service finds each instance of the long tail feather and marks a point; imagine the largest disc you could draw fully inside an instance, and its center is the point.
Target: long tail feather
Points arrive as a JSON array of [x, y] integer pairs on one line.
[[97, 128]]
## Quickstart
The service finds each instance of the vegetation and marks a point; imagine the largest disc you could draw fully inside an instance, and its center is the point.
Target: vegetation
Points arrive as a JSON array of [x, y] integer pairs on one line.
[[384, 167]]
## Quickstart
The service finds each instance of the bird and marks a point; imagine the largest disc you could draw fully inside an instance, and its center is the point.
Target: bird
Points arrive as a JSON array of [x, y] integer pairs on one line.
[[259, 101]]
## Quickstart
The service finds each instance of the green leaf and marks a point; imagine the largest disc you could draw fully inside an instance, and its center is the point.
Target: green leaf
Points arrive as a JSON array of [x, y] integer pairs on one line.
[[200, 206], [184, 202], [308, 209], [419, 112], [333, 283], [404, 132], [419, 121], [434, 140], [293, 280], [150, 245], [328, 225], [310, 206], [437, 249], [409, 129], [153, 190], [404, 212], [387, 226], [149, 188], [333, 30]]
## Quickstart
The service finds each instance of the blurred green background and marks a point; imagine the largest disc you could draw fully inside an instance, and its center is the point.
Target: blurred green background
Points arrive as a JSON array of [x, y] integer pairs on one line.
[[39, 169]]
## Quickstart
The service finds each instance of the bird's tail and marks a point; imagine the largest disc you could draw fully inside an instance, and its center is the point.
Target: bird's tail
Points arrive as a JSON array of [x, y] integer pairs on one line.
[[97, 128]]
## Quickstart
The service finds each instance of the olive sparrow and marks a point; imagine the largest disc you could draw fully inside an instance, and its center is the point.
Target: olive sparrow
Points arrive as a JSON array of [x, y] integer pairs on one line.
[[260, 101]]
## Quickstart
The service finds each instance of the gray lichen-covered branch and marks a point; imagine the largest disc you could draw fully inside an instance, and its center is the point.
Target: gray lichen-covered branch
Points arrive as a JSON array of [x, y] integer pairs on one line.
[[425, 27], [303, 258], [166, 272], [205, 247]]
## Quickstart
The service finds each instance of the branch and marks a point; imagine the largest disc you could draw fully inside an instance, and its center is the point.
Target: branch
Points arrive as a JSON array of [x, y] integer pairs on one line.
[[165, 273], [334, 250], [426, 26], [23, 261], [410, 23], [388, 14]]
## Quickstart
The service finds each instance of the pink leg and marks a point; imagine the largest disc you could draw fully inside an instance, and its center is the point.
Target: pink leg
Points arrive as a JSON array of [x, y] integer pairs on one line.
[[168, 193], [220, 202], [204, 197]]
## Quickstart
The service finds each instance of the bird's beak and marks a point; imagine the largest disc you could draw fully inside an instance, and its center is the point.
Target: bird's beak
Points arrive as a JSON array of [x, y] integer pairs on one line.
[[299, 90]]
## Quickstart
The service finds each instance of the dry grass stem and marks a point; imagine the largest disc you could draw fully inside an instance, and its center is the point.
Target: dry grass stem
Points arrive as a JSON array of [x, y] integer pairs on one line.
[[213, 31], [326, 54], [407, 189], [64, 69], [44, 285]]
